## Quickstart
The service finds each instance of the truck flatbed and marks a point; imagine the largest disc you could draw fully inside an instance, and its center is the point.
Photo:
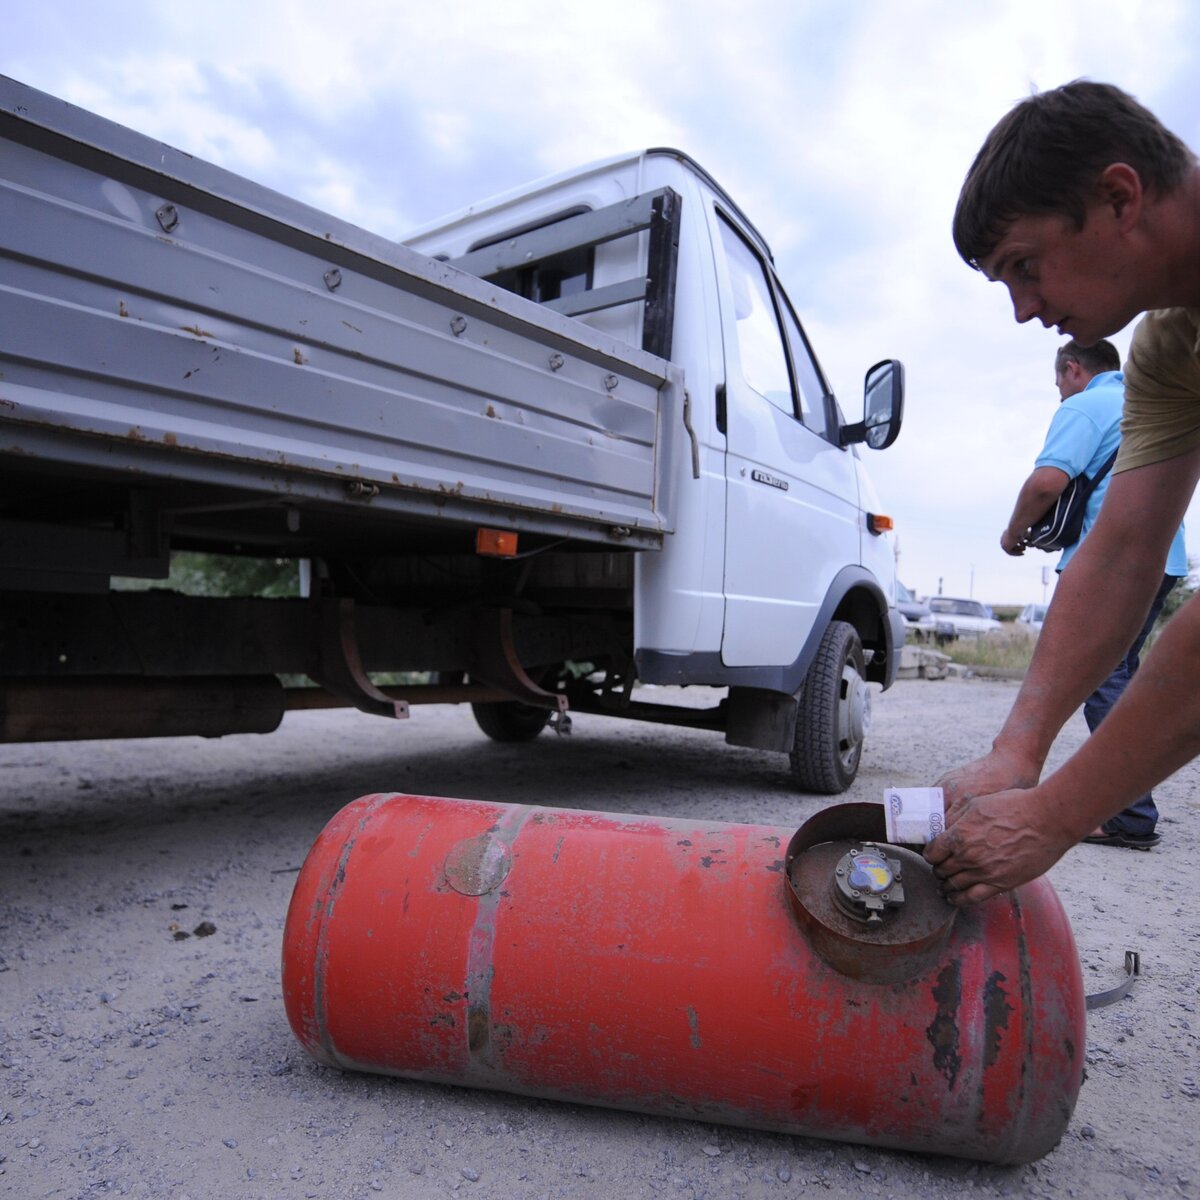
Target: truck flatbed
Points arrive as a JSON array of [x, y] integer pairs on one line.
[[265, 369]]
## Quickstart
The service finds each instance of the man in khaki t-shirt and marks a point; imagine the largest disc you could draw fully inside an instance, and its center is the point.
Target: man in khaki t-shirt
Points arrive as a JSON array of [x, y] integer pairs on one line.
[[1088, 210], [1162, 388]]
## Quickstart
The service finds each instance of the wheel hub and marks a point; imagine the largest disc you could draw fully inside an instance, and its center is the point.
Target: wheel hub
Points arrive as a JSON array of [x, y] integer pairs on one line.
[[854, 712]]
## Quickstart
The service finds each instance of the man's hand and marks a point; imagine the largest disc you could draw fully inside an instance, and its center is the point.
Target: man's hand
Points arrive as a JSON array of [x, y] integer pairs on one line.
[[1038, 492], [996, 843], [998, 771], [1011, 544]]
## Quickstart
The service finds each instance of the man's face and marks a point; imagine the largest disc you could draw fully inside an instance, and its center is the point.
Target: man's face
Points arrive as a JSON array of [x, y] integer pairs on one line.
[[1074, 280]]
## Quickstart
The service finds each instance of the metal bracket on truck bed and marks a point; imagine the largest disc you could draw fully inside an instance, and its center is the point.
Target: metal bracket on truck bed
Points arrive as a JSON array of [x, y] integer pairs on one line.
[[497, 665], [337, 664]]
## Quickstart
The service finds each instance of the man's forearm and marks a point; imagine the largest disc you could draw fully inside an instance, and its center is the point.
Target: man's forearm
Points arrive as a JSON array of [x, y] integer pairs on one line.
[[1037, 493]]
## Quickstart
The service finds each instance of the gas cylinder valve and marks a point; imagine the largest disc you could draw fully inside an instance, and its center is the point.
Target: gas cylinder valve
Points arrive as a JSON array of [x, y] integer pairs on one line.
[[867, 884]]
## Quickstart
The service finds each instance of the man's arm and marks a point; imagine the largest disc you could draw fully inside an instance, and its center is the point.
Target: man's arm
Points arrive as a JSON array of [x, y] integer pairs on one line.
[[1099, 604], [1005, 839], [1038, 492]]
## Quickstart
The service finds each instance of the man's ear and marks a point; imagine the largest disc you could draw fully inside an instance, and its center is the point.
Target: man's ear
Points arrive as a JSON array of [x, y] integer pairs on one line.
[[1119, 189]]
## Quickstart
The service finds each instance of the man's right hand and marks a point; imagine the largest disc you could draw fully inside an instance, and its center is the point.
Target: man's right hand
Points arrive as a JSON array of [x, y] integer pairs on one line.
[[999, 771], [999, 842], [1012, 545]]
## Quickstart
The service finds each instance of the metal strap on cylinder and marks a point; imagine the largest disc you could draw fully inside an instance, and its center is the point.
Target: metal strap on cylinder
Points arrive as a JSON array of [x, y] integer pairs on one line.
[[1133, 968]]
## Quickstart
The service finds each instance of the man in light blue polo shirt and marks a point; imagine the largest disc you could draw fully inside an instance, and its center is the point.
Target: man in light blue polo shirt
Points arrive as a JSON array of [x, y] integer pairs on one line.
[[1082, 436]]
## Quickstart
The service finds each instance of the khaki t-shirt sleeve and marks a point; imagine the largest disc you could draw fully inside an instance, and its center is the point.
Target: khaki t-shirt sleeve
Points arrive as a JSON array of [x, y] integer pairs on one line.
[[1162, 389]]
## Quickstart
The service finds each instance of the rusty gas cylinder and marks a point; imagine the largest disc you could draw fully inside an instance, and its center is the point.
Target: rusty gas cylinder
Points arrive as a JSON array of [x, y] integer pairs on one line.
[[720, 972]]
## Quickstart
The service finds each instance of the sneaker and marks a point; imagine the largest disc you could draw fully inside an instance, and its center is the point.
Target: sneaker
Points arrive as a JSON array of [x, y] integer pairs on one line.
[[1132, 841]]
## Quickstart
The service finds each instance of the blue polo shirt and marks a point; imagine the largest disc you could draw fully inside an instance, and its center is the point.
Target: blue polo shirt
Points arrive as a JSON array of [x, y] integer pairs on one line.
[[1084, 432]]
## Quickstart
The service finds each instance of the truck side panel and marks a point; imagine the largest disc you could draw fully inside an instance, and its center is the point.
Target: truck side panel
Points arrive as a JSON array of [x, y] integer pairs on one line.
[[191, 314]]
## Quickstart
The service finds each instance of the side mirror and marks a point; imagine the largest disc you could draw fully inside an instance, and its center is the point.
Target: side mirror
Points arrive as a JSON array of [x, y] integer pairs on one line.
[[883, 407]]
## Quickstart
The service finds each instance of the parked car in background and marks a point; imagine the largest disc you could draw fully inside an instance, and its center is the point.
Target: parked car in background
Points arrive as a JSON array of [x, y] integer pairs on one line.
[[911, 609], [918, 620], [1032, 616], [956, 617]]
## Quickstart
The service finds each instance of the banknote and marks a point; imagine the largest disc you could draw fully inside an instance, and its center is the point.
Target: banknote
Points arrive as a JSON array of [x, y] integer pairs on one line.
[[914, 815]]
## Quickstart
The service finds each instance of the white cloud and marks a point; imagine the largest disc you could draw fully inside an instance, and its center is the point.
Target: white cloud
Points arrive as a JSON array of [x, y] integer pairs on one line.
[[167, 97]]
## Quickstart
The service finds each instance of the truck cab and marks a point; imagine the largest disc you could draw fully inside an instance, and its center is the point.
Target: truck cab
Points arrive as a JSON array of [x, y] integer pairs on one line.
[[778, 558]]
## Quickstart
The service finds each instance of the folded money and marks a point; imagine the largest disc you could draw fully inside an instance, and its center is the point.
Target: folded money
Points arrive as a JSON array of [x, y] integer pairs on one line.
[[914, 815]]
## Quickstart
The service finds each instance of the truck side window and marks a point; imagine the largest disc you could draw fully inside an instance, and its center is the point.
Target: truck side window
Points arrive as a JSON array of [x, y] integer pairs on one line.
[[760, 345], [552, 278], [764, 361]]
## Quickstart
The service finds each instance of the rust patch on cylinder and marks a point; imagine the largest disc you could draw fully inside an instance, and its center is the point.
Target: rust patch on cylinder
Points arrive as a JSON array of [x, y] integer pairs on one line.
[[478, 1023], [943, 1029], [995, 1016], [478, 865]]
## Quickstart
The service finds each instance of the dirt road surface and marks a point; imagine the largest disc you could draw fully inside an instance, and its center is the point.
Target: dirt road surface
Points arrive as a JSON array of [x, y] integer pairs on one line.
[[134, 1061]]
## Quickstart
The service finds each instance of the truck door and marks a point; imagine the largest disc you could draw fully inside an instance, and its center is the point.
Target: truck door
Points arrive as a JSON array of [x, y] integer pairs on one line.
[[792, 517]]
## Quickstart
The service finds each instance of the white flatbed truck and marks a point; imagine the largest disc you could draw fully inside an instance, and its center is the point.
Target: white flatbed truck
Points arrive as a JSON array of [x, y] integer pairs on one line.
[[568, 441]]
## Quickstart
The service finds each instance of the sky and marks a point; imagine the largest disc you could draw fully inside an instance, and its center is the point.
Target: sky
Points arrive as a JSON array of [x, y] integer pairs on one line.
[[842, 127]]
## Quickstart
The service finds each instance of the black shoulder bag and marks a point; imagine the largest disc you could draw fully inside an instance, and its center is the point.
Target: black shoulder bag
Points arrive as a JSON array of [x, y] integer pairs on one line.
[[1062, 523]]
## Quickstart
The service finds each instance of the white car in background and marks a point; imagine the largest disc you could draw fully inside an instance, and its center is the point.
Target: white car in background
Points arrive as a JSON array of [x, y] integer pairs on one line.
[[1032, 616], [917, 618], [956, 617]]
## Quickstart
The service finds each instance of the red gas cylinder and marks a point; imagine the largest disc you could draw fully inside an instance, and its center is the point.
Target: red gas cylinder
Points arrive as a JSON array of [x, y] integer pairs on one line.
[[812, 984]]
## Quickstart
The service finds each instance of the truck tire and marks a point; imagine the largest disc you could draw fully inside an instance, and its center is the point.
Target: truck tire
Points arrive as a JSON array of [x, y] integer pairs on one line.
[[834, 714], [510, 721], [502, 720]]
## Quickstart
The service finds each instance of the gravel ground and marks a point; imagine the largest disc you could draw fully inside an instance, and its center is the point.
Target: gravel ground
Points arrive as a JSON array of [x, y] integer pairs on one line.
[[144, 1050]]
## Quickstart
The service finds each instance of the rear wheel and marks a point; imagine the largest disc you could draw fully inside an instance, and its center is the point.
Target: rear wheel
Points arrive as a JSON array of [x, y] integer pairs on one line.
[[510, 721], [834, 714]]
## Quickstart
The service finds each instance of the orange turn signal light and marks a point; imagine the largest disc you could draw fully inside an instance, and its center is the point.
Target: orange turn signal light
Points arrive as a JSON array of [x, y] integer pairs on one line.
[[878, 523], [498, 543]]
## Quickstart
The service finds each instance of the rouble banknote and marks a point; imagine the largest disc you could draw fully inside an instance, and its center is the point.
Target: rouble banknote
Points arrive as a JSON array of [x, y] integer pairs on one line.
[[914, 815]]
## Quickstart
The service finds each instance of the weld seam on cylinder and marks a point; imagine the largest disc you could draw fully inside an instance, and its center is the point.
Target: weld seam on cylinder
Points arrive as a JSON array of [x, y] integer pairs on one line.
[[321, 954], [480, 968], [1027, 1014]]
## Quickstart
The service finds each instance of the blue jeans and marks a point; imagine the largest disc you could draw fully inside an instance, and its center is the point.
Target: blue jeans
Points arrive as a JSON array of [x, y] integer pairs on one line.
[[1139, 819]]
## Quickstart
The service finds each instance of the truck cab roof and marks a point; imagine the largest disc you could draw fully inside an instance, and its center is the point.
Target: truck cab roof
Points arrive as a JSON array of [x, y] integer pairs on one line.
[[553, 185]]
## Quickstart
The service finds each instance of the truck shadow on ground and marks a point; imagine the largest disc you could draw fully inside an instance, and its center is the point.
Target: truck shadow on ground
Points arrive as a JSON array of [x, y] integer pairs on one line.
[[157, 783]]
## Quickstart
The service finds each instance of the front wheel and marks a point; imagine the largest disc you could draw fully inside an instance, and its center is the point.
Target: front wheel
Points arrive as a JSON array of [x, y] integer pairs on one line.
[[834, 714]]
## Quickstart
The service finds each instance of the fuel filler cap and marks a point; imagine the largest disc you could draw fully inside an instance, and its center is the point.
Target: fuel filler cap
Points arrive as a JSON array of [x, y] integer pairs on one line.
[[869, 909]]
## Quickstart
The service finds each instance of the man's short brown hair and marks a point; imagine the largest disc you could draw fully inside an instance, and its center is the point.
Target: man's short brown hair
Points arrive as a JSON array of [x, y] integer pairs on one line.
[[1045, 155], [1102, 356]]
